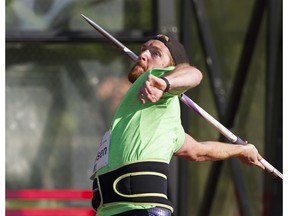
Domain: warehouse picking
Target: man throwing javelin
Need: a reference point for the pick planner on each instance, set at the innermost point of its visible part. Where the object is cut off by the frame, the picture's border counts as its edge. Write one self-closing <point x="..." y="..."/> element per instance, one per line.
<point x="131" y="169"/>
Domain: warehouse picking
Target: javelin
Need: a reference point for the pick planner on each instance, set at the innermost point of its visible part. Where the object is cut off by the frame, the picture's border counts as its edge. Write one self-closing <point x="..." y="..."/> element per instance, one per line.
<point x="189" y="102"/>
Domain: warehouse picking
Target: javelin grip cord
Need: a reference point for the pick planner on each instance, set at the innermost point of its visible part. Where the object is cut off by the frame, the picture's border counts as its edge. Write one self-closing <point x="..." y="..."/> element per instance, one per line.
<point x="185" y="99"/>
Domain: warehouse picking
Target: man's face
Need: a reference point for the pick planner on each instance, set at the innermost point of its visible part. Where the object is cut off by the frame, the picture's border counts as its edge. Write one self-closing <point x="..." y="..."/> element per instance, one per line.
<point x="154" y="54"/>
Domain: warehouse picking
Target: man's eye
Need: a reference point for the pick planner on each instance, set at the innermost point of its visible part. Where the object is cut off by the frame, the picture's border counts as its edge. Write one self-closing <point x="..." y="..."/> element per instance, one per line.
<point x="156" y="53"/>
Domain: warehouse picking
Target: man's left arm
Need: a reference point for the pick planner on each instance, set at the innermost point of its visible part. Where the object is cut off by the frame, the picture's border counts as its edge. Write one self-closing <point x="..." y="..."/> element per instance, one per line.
<point x="182" y="78"/>
<point x="179" y="80"/>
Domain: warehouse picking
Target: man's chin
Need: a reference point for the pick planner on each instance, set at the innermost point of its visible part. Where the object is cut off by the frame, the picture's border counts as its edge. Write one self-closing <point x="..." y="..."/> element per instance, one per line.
<point x="132" y="77"/>
<point x="136" y="72"/>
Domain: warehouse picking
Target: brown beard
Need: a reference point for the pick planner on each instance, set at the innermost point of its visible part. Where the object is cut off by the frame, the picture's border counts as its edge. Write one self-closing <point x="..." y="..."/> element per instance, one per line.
<point x="136" y="71"/>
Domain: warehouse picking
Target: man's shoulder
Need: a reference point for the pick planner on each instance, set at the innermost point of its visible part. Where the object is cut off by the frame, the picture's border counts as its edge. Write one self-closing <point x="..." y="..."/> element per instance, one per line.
<point x="161" y="71"/>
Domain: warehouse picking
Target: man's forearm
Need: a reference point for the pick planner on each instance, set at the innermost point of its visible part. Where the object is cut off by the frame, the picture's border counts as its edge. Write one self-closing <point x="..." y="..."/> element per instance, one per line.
<point x="182" y="78"/>
<point x="213" y="150"/>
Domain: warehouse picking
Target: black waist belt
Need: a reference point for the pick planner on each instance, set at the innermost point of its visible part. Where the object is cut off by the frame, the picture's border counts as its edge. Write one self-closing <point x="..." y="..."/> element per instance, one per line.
<point x="141" y="182"/>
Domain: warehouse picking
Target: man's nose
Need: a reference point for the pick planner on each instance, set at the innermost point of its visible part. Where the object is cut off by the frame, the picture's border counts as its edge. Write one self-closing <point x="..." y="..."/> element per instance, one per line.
<point x="144" y="55"/>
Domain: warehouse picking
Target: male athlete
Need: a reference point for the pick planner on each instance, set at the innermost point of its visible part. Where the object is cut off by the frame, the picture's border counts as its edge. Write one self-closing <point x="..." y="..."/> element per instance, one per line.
<point x="131" y="169"/>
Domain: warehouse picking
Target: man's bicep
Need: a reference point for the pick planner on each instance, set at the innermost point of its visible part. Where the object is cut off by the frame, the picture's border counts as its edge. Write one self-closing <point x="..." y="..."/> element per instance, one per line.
<point x="189" y="149"/>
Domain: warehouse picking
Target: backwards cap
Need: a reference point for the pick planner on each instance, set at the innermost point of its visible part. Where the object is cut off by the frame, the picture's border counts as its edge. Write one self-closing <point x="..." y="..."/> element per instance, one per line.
<point x="176" y="49"/>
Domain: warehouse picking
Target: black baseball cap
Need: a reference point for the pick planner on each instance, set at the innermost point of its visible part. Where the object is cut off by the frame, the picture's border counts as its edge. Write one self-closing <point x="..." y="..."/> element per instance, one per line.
<point x="176" y="49"/>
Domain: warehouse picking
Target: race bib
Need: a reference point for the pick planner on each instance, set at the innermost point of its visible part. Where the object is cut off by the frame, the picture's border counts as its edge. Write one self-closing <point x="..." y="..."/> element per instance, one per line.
<point x="101" y="159"/>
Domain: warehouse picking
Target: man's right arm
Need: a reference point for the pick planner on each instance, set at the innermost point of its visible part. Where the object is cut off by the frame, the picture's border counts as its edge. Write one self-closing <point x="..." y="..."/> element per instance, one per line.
<point x="214" y="150"/>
